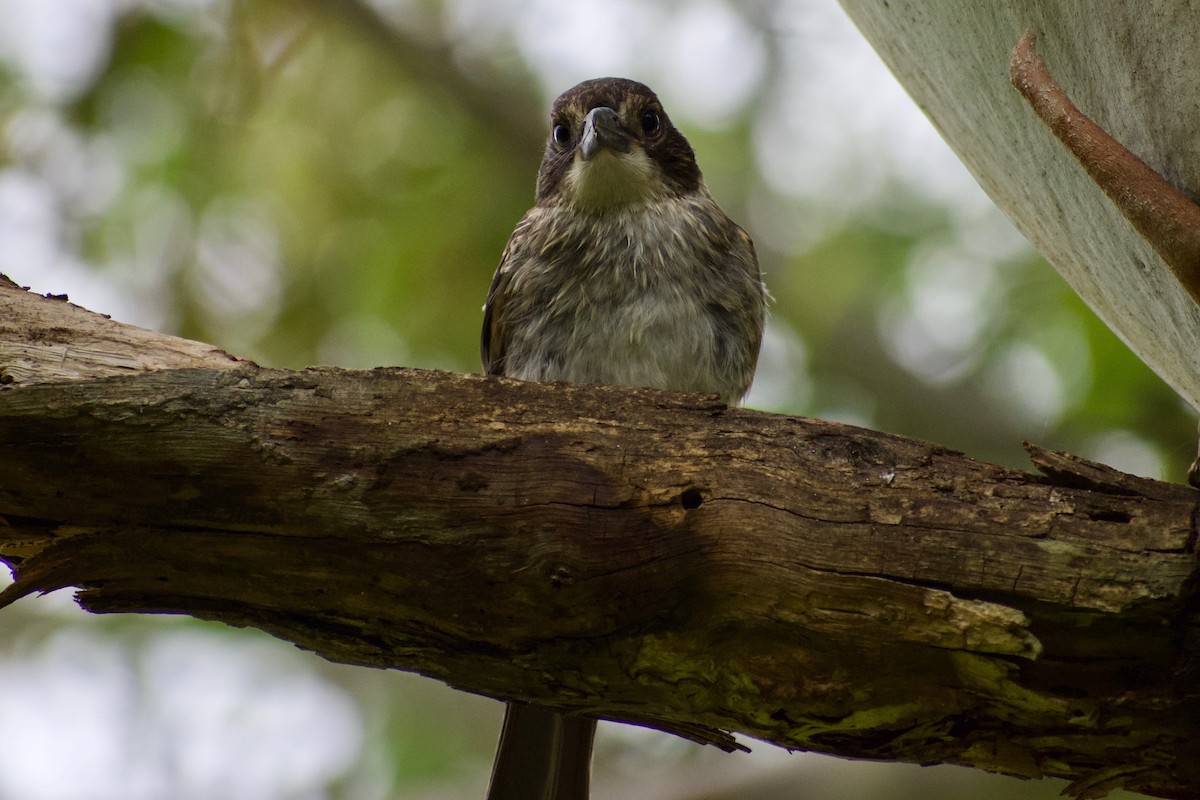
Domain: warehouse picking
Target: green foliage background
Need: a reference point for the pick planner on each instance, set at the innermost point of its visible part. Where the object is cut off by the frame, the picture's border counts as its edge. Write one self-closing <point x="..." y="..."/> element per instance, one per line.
<point x="325" y="181"/>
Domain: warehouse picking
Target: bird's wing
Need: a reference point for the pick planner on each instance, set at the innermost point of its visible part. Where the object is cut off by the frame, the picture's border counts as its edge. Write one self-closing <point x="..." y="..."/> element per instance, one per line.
<point x="494" y="338"/>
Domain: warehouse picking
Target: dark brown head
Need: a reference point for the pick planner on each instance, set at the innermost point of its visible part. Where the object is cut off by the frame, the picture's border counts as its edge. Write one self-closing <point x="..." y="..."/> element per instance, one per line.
<point x="612" y="145"/>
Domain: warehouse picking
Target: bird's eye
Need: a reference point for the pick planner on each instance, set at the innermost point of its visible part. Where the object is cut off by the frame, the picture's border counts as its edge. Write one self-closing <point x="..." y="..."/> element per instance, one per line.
<point x="650" y="123"/>
<point x="561" y="134"/>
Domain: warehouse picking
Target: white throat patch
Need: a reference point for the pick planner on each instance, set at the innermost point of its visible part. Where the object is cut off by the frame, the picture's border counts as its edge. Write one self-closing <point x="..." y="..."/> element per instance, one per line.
<point x="612" y="180"/>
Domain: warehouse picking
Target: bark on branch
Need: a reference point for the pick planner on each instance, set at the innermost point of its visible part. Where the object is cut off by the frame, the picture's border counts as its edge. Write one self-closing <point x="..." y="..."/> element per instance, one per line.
<point x="635" y="555"/>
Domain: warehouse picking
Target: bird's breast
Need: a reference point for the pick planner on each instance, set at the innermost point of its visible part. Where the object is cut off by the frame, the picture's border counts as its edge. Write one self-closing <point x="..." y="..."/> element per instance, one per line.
<point x="621" y="299"/>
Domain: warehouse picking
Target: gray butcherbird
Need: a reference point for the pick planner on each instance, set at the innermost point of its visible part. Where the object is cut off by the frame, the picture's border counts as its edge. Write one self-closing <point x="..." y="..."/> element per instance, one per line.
<point x="626" y="272"/>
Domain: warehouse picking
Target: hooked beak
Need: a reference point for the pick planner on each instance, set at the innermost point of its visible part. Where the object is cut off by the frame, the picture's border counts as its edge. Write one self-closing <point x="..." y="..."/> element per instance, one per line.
<point x="602" y="130"/>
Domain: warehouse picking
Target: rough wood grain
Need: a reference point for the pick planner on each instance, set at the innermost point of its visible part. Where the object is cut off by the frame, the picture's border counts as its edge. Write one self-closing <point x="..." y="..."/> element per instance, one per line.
<point x="48" y="339"/>
<point x="1128" y="64"/>
<point x="637" y="555"/>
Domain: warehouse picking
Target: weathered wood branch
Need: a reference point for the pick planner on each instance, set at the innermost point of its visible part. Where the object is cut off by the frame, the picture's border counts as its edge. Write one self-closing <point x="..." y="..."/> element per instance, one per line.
<point x="636" y="555"/>
<point x="50" y="340"/>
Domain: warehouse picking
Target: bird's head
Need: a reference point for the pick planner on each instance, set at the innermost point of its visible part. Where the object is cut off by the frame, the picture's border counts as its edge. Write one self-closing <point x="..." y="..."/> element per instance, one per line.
<point x="612" y="146"/>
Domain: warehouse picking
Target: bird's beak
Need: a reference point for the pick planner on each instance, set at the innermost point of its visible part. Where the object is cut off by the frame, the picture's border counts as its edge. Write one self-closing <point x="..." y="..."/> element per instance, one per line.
<point x="602" y="129"/>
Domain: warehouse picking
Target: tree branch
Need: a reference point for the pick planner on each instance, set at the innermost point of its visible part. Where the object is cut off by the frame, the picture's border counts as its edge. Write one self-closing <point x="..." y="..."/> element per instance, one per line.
<point x="636" y="555"/>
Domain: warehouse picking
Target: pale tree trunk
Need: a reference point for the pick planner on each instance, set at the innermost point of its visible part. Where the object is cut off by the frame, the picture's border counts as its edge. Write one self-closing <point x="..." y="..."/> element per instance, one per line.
<point x="1132" y="66"/>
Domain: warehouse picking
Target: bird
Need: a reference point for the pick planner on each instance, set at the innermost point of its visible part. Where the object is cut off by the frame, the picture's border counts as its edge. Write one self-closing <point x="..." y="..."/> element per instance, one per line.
<point x="624" y="272"/>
